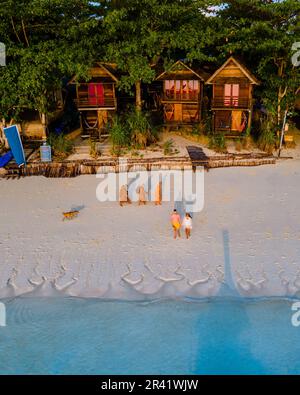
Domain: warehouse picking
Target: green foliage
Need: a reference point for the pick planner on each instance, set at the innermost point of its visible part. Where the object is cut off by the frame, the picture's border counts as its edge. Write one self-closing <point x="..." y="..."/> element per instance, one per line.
<point x="47" y="41"/>
<point x="60" y="145"/>
<point x="132" y="130"/>
<point x="263" y="33"/>
<point x="168" y="147"/>
<point x="140" y="129"/>
<point x="217" y="143"/>
<point x="267" y="138"/>
<point x="94" y="150"/>
<point x="142" y="33"/>
<point x="119" y="136"/>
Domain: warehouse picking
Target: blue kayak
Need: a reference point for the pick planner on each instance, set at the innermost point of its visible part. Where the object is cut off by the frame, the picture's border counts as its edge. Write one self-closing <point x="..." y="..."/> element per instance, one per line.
<point x="4" y="159"/>
<point x="14" y="140"/>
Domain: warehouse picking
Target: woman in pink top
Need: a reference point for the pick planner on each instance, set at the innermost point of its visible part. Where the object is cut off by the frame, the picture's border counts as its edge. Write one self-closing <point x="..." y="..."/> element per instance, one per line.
<point x="176" y="223"/>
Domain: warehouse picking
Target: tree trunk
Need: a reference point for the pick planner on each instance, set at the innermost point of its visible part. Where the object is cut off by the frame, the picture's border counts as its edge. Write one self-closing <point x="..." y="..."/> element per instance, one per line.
<point x="138" y="95"/>
<point x="281" y="92"/>
<point x="44" y="124"/>
<point x="2" y="136"/>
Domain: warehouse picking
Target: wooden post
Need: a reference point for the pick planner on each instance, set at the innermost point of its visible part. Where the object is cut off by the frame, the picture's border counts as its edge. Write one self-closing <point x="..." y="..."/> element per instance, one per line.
<point x="200" y="98"/>
<point x="81" y="122"/>
<point x="44" y="124"/>
<point x="250" y="107"/>
<point x="2" y="130"/>
<point x="249" y="120"/>
<point x="282" y="132"/>
<point x="100" y="122"/>
<point x="115" y="97"/>
<point x="138" y="93"/>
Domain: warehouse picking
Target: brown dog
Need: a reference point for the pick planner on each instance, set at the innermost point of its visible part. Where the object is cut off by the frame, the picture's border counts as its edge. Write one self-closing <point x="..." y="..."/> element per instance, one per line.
<point x="70" y="215"/>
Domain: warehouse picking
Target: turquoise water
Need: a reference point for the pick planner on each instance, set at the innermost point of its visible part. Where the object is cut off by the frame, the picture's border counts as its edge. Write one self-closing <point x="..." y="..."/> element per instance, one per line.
<point x="85" y="336"/>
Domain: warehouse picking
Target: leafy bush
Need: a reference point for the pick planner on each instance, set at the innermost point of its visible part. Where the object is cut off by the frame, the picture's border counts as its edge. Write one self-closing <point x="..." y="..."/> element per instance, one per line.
<point x="119" y="136"/>
<point x="217" y="143"/>
<point x="247" y="141"/>
<point x="197" y="134"/>
<point x="206" y="124"/>
<point x="94" y="149"/>
<point x="140" y="129"/>
<point x="168" y="147"/>
<point x="60" y="145"/>
<point x="267" y="138"/>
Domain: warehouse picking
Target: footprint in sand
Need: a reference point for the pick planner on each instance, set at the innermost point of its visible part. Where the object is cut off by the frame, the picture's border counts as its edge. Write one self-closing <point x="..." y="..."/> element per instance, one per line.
<point x="268" y="235"/>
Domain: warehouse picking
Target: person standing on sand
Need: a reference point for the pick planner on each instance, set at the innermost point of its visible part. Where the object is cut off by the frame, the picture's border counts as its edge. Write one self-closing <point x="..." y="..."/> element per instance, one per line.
<point x="142" y="195"/>
<point x="188" y="225"/>
<point x="124" y="198"/>
<point x="158" y="194"/>
<point x="176" y="223"/>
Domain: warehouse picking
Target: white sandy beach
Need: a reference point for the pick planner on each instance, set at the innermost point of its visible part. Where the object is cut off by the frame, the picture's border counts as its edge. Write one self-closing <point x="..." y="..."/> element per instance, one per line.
<point x="248" y="235"/>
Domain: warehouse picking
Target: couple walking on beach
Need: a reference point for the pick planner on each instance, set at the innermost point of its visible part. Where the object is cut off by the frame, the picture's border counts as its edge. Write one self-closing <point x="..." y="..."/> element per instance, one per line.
<point x="186" y="223"/>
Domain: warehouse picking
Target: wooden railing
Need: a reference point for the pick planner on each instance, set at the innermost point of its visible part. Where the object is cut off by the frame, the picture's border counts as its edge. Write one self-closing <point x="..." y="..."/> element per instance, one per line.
<point x="181" y="97"/>
<point x="96" y="95"/>
<point x="96" y="102"/>
<point x="230" y="102"/>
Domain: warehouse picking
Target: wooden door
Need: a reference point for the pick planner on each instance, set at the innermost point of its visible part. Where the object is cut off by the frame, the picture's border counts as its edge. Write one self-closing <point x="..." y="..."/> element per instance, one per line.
<point x="178" y="113"/>
<point x="236" y="120"/>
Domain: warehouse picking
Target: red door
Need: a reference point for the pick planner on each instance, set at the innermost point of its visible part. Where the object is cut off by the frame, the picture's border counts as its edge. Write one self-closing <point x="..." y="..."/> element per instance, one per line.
<point x="96" y="94"/>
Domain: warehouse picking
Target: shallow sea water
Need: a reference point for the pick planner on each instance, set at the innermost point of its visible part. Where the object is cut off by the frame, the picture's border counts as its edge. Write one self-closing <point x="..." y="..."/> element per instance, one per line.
<point x="91" y="336"/>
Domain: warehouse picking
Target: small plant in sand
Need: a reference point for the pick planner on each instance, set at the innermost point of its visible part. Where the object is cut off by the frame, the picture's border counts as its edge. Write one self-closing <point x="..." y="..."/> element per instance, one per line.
<point x="60" y="145"/>
<point x="238" y="145"/>
<point x="196" y="130"/>
<point x="267" y="139"/>
<point x="217" y="143"/>
<point x="94" y="149"/>
<point x="197" y="133"/>
<point x="203" y="140"/>
<point x="168" y="147"/>
<point x="204" y="127"/>
<point x="135" y="153"/>
<point x="247" y="141"/>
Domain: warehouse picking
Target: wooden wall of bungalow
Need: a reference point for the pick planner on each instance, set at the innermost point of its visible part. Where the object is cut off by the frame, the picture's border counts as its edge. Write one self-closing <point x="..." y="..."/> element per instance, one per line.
<point x="181" y="95"/>
<point x="232" y="100"/>
<point x="96" y="99"/>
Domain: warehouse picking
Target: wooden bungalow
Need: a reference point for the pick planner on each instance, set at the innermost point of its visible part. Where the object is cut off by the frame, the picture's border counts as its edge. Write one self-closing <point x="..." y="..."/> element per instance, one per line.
<point x="33" y="125"/>
<point x="182" y="94"/>
<point x="232" y="97"/>
<point x="96" y="100"/>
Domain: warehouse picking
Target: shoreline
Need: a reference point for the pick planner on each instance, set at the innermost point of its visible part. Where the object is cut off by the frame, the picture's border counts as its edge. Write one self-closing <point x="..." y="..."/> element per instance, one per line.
<point x="128" y="253"/>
